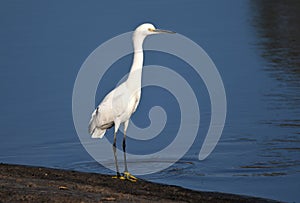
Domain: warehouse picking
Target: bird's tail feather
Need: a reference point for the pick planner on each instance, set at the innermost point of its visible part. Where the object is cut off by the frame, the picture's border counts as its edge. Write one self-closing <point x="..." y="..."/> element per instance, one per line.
<point x="94" y="130"/>
<point x="98" y="133"/>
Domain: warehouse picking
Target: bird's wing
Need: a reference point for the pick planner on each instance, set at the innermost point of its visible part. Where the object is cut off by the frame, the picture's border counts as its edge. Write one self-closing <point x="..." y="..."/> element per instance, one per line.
<point x="102" y="117"/>
<point x="97" y="125"/>
<point x="112" y="106"/>
<point x="115" y="103"/>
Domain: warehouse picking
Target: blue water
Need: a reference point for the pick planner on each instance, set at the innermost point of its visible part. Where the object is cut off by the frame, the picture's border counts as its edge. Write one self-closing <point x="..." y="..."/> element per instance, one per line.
<point x="254" y="44"/>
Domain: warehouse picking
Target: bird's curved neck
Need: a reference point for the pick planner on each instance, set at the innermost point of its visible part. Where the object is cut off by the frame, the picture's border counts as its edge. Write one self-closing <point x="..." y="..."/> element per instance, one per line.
<point x="135" y="75"/>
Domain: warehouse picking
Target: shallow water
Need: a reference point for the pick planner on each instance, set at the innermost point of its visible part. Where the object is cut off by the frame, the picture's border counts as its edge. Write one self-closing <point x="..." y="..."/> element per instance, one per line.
<point x="254" y="44"/>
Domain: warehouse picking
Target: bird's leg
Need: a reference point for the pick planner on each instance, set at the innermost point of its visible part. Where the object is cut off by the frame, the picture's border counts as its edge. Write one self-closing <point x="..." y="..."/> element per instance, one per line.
<point x="124" y="145"/>
<point x="127" y="175"/>
<point x="115" y="155"/>
<point x="124" y="152"/>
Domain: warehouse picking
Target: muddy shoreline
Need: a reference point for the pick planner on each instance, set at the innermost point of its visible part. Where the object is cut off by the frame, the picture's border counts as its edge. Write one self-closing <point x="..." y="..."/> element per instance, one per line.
<point x="37" y="184"/>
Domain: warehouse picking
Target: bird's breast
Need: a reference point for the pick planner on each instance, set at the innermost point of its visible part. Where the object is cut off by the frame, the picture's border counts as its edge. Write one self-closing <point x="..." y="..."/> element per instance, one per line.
<point x="134" y="101"/>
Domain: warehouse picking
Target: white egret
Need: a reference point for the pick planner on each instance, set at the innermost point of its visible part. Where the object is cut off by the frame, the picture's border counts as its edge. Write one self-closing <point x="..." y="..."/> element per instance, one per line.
<point x="118" y="105"/>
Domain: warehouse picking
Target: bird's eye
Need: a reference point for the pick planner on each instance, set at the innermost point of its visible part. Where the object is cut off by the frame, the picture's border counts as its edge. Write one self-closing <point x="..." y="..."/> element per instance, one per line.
<point x="150" y="29"/>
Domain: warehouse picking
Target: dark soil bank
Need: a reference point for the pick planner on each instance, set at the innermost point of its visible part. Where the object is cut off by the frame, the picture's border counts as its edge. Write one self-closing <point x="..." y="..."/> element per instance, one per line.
<point x="36" y="184"/>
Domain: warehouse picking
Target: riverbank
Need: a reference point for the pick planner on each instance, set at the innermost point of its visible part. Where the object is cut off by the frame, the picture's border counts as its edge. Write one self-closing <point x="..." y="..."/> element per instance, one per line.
<point x="37" y="184"/>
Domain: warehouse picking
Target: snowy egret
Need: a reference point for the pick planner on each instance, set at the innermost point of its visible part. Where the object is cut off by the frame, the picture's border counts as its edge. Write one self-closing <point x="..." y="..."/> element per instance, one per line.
<point x="118" y="105"/>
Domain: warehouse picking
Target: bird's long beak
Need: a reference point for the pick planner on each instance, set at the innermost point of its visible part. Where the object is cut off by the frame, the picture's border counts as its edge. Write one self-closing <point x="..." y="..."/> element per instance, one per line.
<point x="163" y="31"/>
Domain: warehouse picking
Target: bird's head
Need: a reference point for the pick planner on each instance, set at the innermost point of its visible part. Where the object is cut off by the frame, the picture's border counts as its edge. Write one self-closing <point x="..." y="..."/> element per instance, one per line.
<point x="149" y="29"/>
<point x="142" y="31"/>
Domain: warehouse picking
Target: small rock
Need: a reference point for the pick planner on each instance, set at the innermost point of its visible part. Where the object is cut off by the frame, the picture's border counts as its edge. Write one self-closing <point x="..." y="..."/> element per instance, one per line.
<point x="63" y="188"/>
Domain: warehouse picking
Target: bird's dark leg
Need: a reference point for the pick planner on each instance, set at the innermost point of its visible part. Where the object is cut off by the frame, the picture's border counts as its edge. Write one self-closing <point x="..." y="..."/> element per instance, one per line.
<point x="115" y="154"/>
<point x="127" y="175"/>
<point x="124" y="152"/>
<point x="124" y="145"/>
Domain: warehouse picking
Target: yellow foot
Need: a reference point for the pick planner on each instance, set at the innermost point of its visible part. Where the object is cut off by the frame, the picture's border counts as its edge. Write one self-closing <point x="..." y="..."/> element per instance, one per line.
<point x="118" y="176"/>
<point x="129" y="177"/>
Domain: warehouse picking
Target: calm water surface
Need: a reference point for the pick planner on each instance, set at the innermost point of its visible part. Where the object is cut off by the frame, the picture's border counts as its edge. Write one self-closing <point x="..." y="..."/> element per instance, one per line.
<point x="254" y="44"/>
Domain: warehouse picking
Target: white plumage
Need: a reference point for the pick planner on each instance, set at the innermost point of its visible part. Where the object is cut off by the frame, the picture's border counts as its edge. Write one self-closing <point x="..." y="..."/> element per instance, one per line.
<point x="118" y="105"/>
<point x="116" y="108"/>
